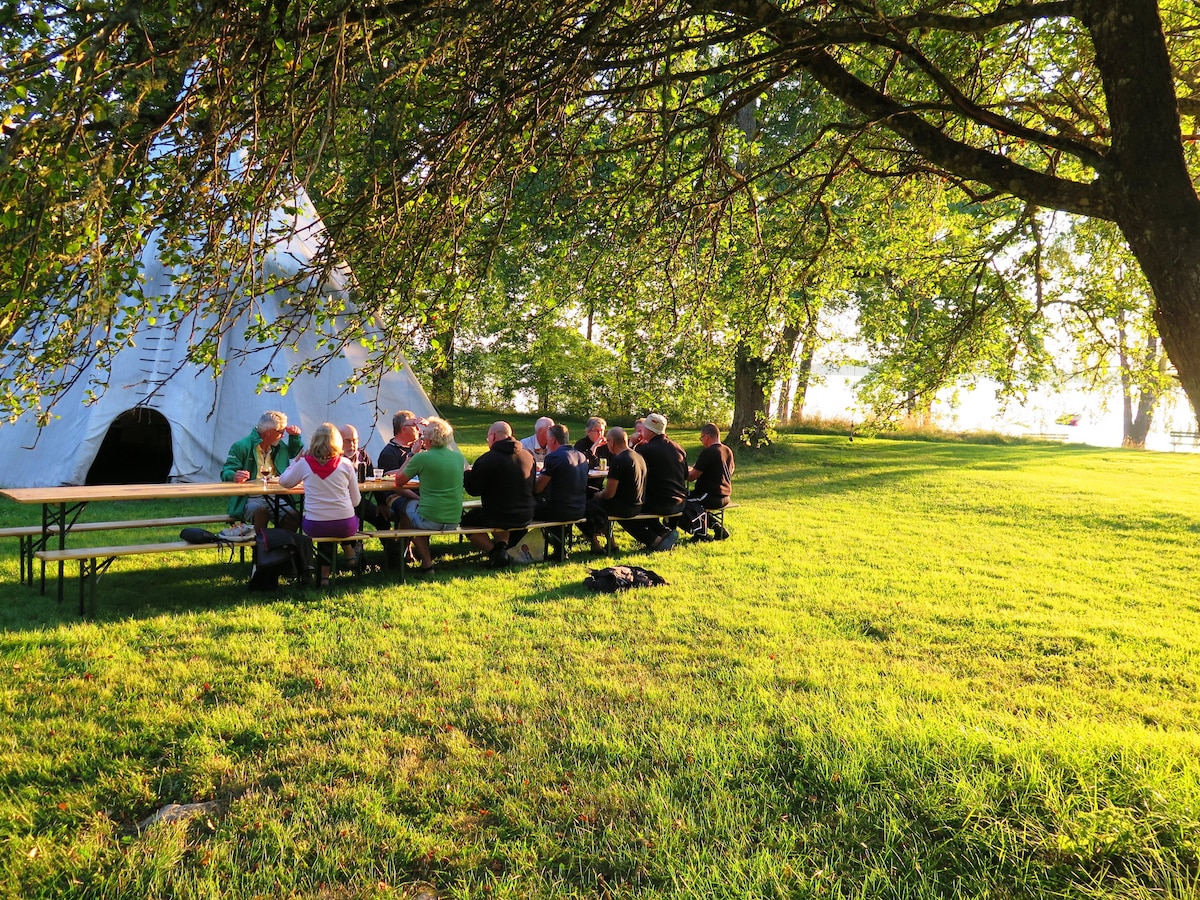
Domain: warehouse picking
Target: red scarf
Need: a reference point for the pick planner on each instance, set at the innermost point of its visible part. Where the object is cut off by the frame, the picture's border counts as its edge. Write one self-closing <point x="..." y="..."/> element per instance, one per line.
<point x="322" y="469"/>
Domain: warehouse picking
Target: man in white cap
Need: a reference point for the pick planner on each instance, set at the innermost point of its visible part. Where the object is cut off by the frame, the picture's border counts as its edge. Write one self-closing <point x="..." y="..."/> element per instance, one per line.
<point x="666" y="483"/>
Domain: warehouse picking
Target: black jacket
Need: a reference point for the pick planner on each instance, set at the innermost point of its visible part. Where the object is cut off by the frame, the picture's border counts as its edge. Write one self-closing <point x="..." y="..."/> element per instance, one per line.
<point x="503" y="479"/>
<point x="666" y="475"/>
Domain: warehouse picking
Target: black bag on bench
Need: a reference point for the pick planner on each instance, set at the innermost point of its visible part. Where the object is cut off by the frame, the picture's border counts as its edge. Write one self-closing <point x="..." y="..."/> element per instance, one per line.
<point x="694" y="518"/>
<point x="280" y="553"/>
<point x="200" y="536"/>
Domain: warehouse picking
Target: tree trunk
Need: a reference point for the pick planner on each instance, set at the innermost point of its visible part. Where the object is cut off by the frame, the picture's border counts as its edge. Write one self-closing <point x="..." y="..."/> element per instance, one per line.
<point x="1175" y="280"/>
<point x="786" y="392"/>
<point x="795" y="382"/>
<point x="803" y="377"/>
<point x="751" y="377"/>
<point x="1148" y="182"/>
<point x="1136" y="425"/>
<point x="441" y="374"/>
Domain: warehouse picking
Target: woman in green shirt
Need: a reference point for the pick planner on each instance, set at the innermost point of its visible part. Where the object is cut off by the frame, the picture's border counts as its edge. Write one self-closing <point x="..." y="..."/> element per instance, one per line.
<point x="440" y="469"/>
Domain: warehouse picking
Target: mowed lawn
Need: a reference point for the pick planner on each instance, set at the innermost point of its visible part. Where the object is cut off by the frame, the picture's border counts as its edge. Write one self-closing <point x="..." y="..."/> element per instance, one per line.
<point x="915" y="670"/>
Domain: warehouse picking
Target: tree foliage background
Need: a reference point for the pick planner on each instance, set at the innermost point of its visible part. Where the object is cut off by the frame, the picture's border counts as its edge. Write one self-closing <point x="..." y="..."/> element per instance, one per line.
<point x="688" y="185"/>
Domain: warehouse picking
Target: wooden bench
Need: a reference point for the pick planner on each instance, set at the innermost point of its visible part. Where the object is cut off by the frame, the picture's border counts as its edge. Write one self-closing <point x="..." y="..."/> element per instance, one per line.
<point x="30" y="536"/>
<point x="94" y="561"/>
<point x="1185" y="439"/>
<point x="715" y="517"/>
<point x="1059" y="436"/>
<point x="407" y="534"/>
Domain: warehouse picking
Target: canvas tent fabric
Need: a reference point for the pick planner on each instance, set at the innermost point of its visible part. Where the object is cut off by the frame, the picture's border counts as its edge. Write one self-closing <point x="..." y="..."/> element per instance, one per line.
<point x="207" y="414"/>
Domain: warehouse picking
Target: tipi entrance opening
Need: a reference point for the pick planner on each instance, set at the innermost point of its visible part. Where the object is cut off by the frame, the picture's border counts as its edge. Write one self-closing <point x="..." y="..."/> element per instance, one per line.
<point x="136" y="450"/>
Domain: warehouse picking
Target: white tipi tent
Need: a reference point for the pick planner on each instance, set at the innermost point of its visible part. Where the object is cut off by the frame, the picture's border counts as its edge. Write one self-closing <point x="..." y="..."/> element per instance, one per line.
<point x="182" y="430"/>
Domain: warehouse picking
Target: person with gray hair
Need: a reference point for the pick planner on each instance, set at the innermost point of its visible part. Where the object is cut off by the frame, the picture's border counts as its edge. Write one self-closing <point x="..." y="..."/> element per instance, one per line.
<point x="368" y="510"/>
<point x="263" y="453"/>
<point x="561" y="487"/>
<point x="440" y="468"/>
<point x="538" y="442"/>
<point x="594" y="444"/>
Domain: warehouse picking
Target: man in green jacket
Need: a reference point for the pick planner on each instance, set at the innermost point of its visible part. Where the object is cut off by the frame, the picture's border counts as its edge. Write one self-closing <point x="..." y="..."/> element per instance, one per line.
<point x="262" y="452"/>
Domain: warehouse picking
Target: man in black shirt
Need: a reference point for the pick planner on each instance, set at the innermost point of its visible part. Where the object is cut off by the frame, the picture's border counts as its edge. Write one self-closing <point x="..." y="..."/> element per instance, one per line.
<point x="624" y="491"/>
<point x="713" y="471"/>
<point x="405" y="431"/>
<point x="713" y="474"/>
<point x="666" y="484"/>
<point x="376" y="514"/>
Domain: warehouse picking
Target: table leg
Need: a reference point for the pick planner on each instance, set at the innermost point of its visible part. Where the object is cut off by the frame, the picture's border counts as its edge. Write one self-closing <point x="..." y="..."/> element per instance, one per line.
<point x="63" y="516"/>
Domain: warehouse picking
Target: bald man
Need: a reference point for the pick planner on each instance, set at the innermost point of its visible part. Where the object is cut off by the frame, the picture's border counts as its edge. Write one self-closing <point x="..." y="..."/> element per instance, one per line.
<point x="503" y="479"/>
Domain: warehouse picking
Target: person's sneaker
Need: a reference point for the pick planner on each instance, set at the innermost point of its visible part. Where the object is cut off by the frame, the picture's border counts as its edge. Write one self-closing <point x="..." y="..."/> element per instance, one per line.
<point x="702" y="538"/>
<point x="243" y="532"/>
<point x="720" y="533"/>
<point x="668" y="541"/>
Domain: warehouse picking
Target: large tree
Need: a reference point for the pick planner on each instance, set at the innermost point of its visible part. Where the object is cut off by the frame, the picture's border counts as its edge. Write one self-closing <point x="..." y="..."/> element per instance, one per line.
<point x="411" y="120"/>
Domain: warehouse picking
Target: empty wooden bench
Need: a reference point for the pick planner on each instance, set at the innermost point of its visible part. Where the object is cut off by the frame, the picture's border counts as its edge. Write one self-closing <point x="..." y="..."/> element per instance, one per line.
<point x="94" y="561"/>
<point x="1185" y="439"/>
<point x="30" y="537"/>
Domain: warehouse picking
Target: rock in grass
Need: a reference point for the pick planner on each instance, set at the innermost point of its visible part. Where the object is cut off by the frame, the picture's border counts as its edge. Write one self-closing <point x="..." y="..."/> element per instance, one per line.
<point x="178" y="812"/>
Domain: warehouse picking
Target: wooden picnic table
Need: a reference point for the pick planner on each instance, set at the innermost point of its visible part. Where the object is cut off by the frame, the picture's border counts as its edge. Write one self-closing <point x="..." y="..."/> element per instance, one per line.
<point x="62" y="506"/>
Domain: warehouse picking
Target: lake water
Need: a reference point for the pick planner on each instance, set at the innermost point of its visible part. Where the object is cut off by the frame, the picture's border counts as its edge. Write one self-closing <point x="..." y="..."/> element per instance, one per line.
<point x="1098" y="416"/>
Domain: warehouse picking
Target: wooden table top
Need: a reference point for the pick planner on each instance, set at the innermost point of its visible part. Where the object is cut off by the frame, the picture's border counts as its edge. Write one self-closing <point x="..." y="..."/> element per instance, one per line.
<point x="86" y="493"/>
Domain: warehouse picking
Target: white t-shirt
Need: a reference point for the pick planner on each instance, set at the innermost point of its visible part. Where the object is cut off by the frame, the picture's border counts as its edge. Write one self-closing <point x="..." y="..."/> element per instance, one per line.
<point x="325" y="499"/>
<point x="531" y="444"/>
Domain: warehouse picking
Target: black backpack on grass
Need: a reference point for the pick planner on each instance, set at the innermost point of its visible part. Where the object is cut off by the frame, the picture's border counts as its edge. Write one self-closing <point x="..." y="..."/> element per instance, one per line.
<point x="279" y="553"/>
<point x="620" y="578"/>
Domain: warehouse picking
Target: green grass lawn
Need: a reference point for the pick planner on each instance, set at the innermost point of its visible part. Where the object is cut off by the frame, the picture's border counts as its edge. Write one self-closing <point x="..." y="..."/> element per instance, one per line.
<point x="916" y="670"/>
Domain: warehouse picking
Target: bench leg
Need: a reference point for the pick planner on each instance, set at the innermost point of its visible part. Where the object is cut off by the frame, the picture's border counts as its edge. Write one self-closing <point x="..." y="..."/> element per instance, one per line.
<point x="405" y="543"/>
<point x="87" y="585"/>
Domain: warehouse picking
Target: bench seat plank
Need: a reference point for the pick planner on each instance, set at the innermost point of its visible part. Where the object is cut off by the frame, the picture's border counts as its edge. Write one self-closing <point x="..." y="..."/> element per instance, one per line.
<point x="27" y="530"/>
<point x="407" y="534"/>
<point x="29" y="536"/>
<point x="71" y="553"/>
<point x="90" y="567"/>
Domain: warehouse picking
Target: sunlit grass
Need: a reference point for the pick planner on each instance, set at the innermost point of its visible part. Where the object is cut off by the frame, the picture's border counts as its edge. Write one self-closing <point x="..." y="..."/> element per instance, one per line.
<point x="916" y="670"/>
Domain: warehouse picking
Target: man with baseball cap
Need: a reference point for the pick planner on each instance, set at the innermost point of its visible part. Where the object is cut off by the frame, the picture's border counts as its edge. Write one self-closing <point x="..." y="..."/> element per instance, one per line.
<point x="666" y="484"/>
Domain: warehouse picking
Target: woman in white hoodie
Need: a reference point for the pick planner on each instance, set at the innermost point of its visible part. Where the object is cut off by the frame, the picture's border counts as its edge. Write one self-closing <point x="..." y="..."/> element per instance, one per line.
<point x="330" y="490"/>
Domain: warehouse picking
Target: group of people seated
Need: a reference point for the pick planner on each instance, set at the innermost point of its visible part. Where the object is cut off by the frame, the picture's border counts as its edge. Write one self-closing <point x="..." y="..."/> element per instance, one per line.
<point x="542" y="477"/>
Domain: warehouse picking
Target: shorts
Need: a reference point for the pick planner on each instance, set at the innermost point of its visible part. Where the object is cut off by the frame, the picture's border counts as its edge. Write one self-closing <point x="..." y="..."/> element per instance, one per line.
<point x="331" y="528"/>
<point x="256" y="503"/>
<point x="410" y="510"/>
